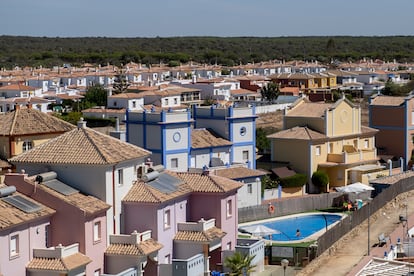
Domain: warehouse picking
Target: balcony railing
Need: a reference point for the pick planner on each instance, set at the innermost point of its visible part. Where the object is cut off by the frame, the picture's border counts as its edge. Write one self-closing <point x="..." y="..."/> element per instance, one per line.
<point x="352" y="157"/>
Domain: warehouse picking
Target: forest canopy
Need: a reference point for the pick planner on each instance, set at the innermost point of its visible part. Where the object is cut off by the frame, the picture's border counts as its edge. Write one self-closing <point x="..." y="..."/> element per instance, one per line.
<point x="226" y="51"/>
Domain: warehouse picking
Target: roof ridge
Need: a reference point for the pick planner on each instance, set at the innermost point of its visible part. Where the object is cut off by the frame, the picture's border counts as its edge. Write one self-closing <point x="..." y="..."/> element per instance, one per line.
<point x="14" y="121"/>
<point x="84" y="130"/>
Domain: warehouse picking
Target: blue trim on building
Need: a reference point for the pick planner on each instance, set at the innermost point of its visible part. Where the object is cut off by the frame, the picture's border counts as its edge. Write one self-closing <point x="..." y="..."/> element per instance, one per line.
<point x="127" y="125"/>
<point x="163" y="144"/>
<point x="388" y="127"/>
<point x="144" y="129"/>
<point x="254" y="144"/>
<point x="227" y="118"/>
<point x="406" y="134"/>
<point x="241" y="144"/>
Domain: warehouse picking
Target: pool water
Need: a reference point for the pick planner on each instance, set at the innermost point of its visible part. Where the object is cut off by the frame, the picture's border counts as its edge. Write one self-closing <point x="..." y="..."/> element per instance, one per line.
<point x="307" y="225"/>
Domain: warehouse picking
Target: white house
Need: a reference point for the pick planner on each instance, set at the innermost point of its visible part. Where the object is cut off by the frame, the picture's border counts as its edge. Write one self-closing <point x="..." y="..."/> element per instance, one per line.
<point x="92" y="162"/>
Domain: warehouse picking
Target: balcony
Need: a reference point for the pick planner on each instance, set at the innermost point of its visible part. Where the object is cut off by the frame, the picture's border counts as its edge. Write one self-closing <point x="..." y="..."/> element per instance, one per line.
<point x="352" y="157"/>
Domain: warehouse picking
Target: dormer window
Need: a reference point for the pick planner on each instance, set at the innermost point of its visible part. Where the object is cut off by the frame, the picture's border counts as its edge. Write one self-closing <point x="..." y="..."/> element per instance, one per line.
<point x="27" y="145"/>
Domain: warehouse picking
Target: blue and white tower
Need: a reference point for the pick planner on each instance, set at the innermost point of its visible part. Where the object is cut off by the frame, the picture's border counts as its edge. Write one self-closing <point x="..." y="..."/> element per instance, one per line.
<point x="238" y="125"/>
<point x="166" y="134"/>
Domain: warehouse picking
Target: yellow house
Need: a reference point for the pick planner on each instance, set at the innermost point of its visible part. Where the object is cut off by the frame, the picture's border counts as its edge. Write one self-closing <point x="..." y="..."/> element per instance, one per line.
<point x="25" y="128"/>
<point x="328" y="137"/>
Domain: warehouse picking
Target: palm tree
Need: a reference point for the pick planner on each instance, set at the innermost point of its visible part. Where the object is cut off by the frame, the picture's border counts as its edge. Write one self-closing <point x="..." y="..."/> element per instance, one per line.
<point x="239" y="264"/>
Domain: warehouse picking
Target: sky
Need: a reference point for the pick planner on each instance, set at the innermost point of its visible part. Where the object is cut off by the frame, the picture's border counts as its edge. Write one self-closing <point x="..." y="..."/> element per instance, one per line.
<point x="169" y="18"/>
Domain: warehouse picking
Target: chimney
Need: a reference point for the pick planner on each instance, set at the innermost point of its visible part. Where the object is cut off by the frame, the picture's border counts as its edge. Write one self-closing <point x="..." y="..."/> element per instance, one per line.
<point x="149" y="163"/>
<point x="81" y="123"/>
<point x="206" y="170"/>
<point x="29" y="105"/>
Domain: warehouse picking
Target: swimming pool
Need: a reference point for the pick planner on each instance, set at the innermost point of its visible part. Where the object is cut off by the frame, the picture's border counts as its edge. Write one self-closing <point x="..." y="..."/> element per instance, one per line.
<point x="308" y="224"/>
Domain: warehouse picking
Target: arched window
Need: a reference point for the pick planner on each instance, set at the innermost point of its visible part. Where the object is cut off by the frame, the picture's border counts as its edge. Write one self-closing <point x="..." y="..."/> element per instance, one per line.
<point x="27" y="145"/>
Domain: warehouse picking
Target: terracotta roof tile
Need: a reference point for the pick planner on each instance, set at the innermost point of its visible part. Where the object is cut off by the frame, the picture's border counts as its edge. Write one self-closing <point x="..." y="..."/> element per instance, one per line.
<point x="298" y="133"/>
<point x="238" y="172"/>
<point x="11" y="216"/>
<point x="142" y="192"/>
<point x="25" y="121"/>
<point x="65" y="264"/>
<point x="198" y="236"/>
<point x="388" y="101"/>
<point x="17" y="87"/>
<point x="205" y="138"/>
<point x="141" y="249"/>
<point x="88" y="204"/>
<point x="82" y="146"/>
<point x="209" y="183"/>
<point x="309" y="109"/>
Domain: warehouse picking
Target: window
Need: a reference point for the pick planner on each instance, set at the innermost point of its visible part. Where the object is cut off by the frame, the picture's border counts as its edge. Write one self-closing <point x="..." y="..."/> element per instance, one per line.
<point x="47" y="233"/>
<point x="166" y="101"/>
<point x="174" y="163"/>
<point x="120" y="176"/>
<point x="228" y="246"/>
<point x="167" y="219"/>
<point x="366" y="143"/>
<point x="27" y="145"/>
<point x="318" y="150"/>
<point x="14" y="245"/>
<point x="115" y="103"/>
<point x="249" y="188"/>
<point x="97" y="231"/>
<point x="229" y="208"/>
<point x="330" y="147"/>
<point x="245" y="155"/>
<point x="175" y="100"/>
<point x="97" y="272"/>
<point x="134" y="104"/>
<point x="243" y="131"/>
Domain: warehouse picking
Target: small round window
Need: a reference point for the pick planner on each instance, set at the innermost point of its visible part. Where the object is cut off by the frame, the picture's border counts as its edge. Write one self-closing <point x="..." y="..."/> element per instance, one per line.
<point x="242" y="131"/>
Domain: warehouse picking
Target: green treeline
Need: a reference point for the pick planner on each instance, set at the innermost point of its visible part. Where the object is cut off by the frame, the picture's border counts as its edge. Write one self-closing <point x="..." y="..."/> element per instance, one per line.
<point x="227" y="51"/>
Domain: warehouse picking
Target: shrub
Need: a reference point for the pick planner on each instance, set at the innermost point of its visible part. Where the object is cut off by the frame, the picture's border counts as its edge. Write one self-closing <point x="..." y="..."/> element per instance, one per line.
<point x="297" y="180"/>
<point x="320" y="178"/>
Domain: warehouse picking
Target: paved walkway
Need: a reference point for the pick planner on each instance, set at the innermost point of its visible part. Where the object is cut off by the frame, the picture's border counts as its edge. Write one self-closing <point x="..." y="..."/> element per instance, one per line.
<point x="349" y="255"/>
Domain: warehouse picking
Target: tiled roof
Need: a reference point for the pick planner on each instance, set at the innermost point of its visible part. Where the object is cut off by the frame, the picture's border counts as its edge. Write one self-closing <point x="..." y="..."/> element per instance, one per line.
<point x="209" y="183"/>
<point x="298" y="133"/>
<point x="198" y="236"/>
<point x="144" y="193"/>
<point x="127" y="96"/>
<point x="82" y="145"/>
<point x="88" y="204"/>
<point x="65" y="264"/>
<point x="17" y="87"/>
<point x="25" y="121"/>
<point x="205" y="138"/>
<point x="238" y="172"/>
<point x="11" y="216"/>
<point x="141" y="192"/>
<point x="4" y="164"/>
<point x="310" y="109"/>
<point x="141" y="249"/>
<point x="388" y="101"/>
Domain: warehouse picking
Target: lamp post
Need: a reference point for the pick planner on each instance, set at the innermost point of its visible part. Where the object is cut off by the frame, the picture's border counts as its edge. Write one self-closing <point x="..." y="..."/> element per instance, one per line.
<point x="284" y="263"/>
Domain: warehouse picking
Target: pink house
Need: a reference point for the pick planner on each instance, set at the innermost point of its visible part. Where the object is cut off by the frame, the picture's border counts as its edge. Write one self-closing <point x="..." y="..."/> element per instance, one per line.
<point x="163" y="199"/>
<point x="23" y="227"/>
<point x="78" y="219"/>
<point x="57" y="261"/>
